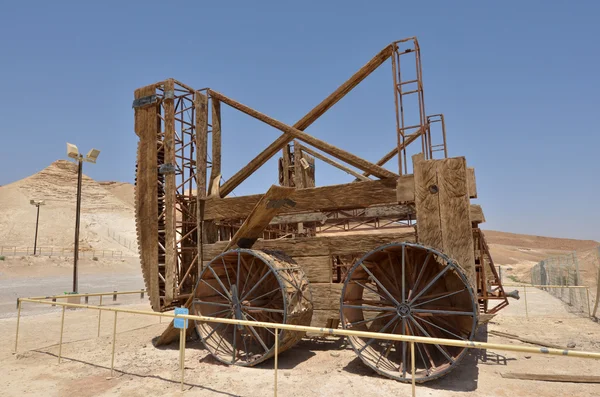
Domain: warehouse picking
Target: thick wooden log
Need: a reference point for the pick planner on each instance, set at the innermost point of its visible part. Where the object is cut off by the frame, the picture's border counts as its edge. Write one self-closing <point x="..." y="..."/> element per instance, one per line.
<point x="271" y="203"/>
<point x="146" y="192"/>
<point x="215" y="170"/>
<point x="346" y="196"/>
<point x="333" y="163"/>
<point x="318" y="246"/>
<point x="307" y="120"/>
<point x="170" y="194"/>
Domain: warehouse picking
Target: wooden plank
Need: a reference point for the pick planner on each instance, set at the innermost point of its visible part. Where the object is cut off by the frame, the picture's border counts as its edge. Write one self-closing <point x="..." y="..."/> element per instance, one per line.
<point x="299" y="180"/>
<point x="346" y="196"/>
<point x="525" y="340"/>
<point x="317" y="246"/>
<point x="429" y="230"/>
<point x="378" y="211"/>
<point x="405" y="189"/>
<point x="457" y="232"/>
<point x="147" y="193"/>
<point x="302" y="217"/>
<point x="332" y="150"/>
<point x="215" y="170"/>
<point x="320" y="318"/>
<point x="170" y="194"/>
<point x="552" y="377"/>
<point x="326" y="296"/>
<point x="471" y="183"/>
<point x="307" y="120"/>
<point x="334" y="163"/>
<point x="317" y="268"/>
<point x="276" y="198"/>
<point x="476" y="214"/>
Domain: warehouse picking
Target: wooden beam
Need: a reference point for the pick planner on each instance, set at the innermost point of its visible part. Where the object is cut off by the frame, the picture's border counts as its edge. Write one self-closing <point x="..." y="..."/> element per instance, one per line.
<point x="305" y="217"/>
<point x="170" y="194"/>
<point x="476" y="214"/>
<point x="318" y="246"/>
<point x="271" y="203"/>
<point x="471" y="183"/>
<point x="215" y="170"/>
<point x="146" y="192"/>
<point x="307" y="120"/>
<point x="296" y="133"/>
<point x="552" y="377"/>
<point x="427" y="202"/>
<point x="318" y="269"/>
<point x="346" y="196"/>
<point x="405" y="189"/>
<point x="333" y="163"/>
<point x="379" y="211"/>
<point x="395" y="150"/>
<point x="201" y="129"/>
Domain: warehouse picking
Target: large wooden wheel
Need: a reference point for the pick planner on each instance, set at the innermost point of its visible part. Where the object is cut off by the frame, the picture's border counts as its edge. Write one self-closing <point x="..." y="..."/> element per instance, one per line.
<point x="408" y="289"/>
<point x="251" y="285"/>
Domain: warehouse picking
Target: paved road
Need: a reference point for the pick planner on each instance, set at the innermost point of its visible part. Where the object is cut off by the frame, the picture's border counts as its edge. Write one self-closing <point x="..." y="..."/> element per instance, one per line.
<point x="14" y="287"/>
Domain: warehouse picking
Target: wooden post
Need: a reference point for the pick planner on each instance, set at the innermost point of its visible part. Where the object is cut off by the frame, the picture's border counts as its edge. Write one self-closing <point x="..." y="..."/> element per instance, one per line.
<point x="215" y="170"/>
<point x="18" y="321"/>
<point x="99" y="316"/>
<point x="112" y="361"/>
<point x="170" y="192"/>
<point x="526" y="309"/>
<point x="201" y="110"/>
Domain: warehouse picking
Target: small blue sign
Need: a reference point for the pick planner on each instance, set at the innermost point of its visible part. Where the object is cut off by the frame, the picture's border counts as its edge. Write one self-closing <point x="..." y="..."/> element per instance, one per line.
<point x="180" y="323"/>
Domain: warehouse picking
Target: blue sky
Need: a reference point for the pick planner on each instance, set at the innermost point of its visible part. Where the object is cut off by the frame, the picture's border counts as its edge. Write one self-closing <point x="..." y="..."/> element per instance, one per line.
<point x="518" y="83"/>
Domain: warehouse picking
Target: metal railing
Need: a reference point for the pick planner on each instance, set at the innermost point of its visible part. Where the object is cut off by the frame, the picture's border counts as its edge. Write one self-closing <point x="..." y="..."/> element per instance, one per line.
<point x="59" y="252"/>
<point x="299" y="328"/>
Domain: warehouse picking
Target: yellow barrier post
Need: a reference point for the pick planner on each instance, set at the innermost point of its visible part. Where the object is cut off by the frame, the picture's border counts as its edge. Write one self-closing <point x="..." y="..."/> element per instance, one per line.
<point x="412" y="367"/>
<point x="182" y="354"/>
<point x="112" y="362"/>
<point x="276" y="356"/>
<point x="99" y="316"/>
<point x="18" y="320"/>
<point x="62" y="326"/>
<point x="525" y="294"/>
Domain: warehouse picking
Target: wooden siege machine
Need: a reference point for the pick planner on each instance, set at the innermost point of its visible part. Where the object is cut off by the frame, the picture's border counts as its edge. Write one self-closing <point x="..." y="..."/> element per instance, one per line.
<point x="273" y="256"/>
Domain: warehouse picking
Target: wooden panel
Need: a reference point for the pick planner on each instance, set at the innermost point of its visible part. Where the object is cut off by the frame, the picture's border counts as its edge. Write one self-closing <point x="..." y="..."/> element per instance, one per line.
<point x="170" y="192"/>
<point x="405" y="189"/>
<point x="316" y="268"/>
<point x="318" y="246"/>
<point x="326" y="296"/>
<point x="146" y="127"/>
<point x="346" y="196"/>
<point x="276" y="198"/>
<point x="471" y="183"/>
<point x="320" y="317"/>
<point x="476" y="214"/>
<point x="427" y="202"/>
<point x="457" y="233"/>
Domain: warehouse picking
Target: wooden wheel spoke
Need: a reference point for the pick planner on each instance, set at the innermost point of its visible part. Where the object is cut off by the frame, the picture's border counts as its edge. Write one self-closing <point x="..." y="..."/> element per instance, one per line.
<point x="418" y="346"/>
<point x="403" y="348"/>
<point x="237" y="275"/>
<point x="234" y="343"/>
<point x="263" y="295"/>
<point x="440" y="297"/>
<point x="248" y="274"/>
<point x="200" y="302"/>
<point x="254" y="319"/>
<point x="219" y="281"/>
<point x="403" y="273"/>
<point x="421" y="272"/>
<point x="243" y="298"/>
<point x="265" y="309"/>
<point x="226" y="272"/>
<point x="370" y="308"/>
<point x="371" y="319"/>
<point x="256" y="336"/>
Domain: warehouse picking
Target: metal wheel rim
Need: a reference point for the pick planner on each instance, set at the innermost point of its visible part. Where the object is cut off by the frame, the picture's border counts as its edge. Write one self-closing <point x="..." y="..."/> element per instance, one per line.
<point x="449" y="264"/>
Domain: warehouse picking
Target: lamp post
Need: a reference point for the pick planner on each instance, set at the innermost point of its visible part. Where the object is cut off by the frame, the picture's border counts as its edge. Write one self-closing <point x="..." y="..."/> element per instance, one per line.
<point x="91" y="157"/>
<point x="37" y="203"/>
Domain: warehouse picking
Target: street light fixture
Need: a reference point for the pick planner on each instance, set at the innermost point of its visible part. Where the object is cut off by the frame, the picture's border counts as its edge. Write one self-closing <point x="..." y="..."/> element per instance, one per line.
<point x="91" y="157"/>
<point x="37" y="203"/>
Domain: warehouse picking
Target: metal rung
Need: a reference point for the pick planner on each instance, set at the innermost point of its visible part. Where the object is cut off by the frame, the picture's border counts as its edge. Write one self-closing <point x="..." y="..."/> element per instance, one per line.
<point x="408" y="82"/>
<point x="409" y="92"/>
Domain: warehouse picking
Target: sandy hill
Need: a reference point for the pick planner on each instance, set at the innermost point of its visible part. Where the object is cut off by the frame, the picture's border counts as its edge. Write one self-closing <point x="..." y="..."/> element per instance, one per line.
<point x="104" y="207"/>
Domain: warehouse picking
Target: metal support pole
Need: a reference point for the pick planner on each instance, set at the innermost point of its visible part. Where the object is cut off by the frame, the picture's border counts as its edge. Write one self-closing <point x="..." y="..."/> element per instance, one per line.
<point x="112" y="362"/>
<point x="18" y="321"/>
<point x="412" y="367"/>
<point x="62" y="326"/>
<point x="37" y="219"/>
<point x="77" y="221"/>
<point x="276" y="357"/>
<point x="525" y="295"/>
<point x="99" y="316"/>
<point x="587" y="290"/>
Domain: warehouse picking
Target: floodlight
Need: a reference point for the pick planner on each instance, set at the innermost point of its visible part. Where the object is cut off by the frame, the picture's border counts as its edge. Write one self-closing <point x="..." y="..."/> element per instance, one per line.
<point x="92" y="155"/>
<point x="72" y="151"/>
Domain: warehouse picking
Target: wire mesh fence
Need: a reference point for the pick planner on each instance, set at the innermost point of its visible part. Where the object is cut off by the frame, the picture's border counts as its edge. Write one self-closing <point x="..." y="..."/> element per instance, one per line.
<point x="8" y="251"/>
<point x="566" y="270"/>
